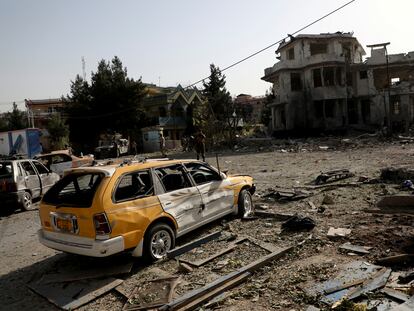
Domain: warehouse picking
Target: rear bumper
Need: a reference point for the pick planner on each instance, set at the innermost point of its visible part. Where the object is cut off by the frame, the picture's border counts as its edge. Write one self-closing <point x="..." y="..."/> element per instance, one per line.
<point x="81" y="245"/>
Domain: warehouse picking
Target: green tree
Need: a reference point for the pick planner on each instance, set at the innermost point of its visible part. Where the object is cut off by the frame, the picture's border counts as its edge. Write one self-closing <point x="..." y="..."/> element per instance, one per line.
<point x="58" y="131"/>
<point x="16" y="119"/>
<point x="111" y="102"/>
<point x="218" y="111"/>
<point x="3" y="124"/>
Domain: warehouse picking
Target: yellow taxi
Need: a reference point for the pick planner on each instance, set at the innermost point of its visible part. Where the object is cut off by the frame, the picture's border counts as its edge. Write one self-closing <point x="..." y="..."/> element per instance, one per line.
<point x="138" y="206"/>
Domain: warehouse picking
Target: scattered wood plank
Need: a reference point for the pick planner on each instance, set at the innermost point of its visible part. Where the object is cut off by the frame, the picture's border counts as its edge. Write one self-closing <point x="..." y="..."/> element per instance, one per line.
<point x="407" y="306"/>
<point x="400" y="200"/>
<point x="75" y="294"/>
<point x="191" y="296"/>
<point x="215" y="292"/>
<point x="92" y="273"/>
<point x="396" y="260"/>
<point x="359" y="249"/>
<point x="193" y="244"/>
<point x="378" y="280"/>
<point x="201" y="262"/>
<point x="396" y="294"/>
<point x="338" y="288"/>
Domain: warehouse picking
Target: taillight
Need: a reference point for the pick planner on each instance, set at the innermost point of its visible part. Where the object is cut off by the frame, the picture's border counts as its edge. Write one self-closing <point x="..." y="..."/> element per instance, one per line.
<point x="102" y="226"/>
<point x="8" y="186"/>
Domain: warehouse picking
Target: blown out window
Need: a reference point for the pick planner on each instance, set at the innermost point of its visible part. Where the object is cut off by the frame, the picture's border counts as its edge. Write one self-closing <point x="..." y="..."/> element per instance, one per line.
<point x="134" y="186"/>
<point x="75" y="190"/>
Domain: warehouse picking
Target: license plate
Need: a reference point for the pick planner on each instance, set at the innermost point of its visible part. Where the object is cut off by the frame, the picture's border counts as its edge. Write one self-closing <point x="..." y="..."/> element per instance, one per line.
<point x="64" y="224"/>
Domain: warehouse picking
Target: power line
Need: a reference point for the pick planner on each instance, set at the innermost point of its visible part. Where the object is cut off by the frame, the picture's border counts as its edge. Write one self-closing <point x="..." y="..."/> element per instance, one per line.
<point x="280" y="41"/>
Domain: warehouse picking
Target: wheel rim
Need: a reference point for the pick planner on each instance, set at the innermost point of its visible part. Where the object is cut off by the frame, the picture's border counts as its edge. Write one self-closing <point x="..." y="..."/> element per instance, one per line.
<point x="160" y="244"/>
<point x="27" y="200"/>
<point x="248" y="205"/>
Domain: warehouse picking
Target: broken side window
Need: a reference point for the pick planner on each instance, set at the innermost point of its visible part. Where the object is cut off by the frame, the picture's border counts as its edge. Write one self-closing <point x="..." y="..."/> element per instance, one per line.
<point x="318" y="109"/>
<point x="339" y="79"/>
<point x="134" y="186"/>
<point x="295" y="81"/>
<point x="201" y="173"/>
<point x="363" y="74"/>
<point x="318" y="48"/>
<point x="173" y="178"/>
<point x="330" y="106"/>
<point x="328" y="76"/>
<point x="317" y="78"/>
<point x="291" y="53"/>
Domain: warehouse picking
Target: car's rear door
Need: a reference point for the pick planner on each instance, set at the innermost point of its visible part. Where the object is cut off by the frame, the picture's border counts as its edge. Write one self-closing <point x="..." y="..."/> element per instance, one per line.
<point x="179" y="197"/>
<point x="216" y="193"/>
<point x="47" y="179"/>
<point x="31" y="178"/>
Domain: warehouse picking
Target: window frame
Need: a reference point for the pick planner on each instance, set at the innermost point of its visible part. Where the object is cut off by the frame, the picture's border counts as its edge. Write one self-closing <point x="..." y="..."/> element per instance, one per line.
<point x="115" y="188"/>
<point x="203" y="165"/>
<point x="161" y="184"/>
<point x="25" y="171"/>
<point x="41" y="165"/>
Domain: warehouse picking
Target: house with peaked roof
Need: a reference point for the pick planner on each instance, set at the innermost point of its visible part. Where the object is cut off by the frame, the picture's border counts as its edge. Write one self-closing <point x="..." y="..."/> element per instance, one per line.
<point x="171" y="108"/>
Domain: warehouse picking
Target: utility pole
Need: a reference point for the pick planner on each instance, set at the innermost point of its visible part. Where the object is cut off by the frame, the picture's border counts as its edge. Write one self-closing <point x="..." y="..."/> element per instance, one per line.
<point x="389" y="114"/>
<point x="83" y="69"/>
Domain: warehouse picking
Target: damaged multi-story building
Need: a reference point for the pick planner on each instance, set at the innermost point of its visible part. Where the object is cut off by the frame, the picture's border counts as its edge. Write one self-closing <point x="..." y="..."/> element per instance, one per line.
<point x="322" y="82"/>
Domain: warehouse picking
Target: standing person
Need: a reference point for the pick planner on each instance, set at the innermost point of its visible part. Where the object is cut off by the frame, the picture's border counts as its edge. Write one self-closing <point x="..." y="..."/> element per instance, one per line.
<point x="134" y="147"/>
<point x="162" y="144"/>
<point x="200" y="145"/>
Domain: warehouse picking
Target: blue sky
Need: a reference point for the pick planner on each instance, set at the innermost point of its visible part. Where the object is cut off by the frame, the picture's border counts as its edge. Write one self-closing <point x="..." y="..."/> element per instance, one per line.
<point x="42" y="42"/>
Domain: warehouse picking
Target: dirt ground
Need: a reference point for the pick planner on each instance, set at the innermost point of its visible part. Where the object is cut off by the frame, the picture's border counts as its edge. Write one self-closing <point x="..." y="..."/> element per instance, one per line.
<point x="279" y="285"/>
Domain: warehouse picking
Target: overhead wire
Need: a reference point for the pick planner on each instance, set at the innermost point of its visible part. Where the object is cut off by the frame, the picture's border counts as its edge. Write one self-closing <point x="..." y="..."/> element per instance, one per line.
<point x="233" y="64"/>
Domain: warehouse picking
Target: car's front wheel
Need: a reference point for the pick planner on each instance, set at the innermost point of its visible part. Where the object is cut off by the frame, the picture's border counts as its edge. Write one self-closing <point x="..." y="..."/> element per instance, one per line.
<point x="159" y="240"/>
<point x="26" y="204"/>
<point x="245" y="203"/>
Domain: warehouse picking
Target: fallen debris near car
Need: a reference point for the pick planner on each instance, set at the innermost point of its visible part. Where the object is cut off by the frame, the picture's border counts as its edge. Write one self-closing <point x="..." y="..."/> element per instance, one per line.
<point x="396" y="260"/>
<point x="152" y="294"/>
<point x="287" y="194"/>
<point x="193" y="244"/>
<point x="397" y="204"/>
<point x="276" y="216"/>
<point x="334" y="233"/>
<point x="72" y="295"/>
<point x="334" y="175"/>
<point x="397" y="174"/>
<point x="298" y="223"/>
<point x="355" y="248"/>
<point x="197" y="297"/>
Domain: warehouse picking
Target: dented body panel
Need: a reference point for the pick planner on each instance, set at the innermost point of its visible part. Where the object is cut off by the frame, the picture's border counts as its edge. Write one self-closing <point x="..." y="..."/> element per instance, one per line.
<point x="129" y="219"/>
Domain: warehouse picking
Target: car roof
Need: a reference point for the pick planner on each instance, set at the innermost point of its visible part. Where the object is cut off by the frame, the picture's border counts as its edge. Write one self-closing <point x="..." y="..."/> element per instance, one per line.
<point x="110" y="169"/>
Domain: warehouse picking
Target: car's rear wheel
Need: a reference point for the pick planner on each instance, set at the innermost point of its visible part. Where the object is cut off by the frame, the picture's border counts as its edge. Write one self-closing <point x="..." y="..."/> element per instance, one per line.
<point x="245" y="203"/>
<point x="159" y="240"/>
<point x="27" y="203"/>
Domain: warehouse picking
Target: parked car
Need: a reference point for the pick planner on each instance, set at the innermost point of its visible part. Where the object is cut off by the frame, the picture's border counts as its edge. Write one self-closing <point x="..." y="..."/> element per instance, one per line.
<point x="142" y="207"/>
<point x="112" y="149"/>
<point x="21" y="181"/>
<point x="59" y="161"/>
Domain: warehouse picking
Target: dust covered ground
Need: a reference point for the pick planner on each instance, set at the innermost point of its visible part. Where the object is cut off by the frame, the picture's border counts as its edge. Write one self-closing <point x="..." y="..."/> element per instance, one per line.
<point x="278" y="286"/>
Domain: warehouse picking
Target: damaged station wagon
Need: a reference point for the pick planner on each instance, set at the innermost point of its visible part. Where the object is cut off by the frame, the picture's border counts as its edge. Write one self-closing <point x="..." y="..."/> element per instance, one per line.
<point x="141" y="207"/>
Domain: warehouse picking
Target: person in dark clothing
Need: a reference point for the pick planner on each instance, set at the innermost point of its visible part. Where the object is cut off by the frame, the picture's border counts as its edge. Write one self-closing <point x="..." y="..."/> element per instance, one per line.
<point x="200" y="145"/>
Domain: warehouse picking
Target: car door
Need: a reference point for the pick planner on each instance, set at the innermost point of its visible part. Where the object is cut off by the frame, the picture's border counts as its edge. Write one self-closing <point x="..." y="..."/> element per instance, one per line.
<point x="60" y="163"/>
<point x="47" y="179"/>
<point x="179" y="197"/>
<point x="216" y="193"/>
<point x="31" y="179"/>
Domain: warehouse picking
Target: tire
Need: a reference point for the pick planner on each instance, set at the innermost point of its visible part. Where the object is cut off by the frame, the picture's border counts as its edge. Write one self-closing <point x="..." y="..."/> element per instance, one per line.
<point x="245" y="204"/>
<point x="26" y="205"/>
<point x="159" y="239"/>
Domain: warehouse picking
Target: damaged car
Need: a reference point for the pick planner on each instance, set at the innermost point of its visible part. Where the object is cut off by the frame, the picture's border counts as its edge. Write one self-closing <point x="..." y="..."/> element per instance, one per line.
<point x="142" y="207"/>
